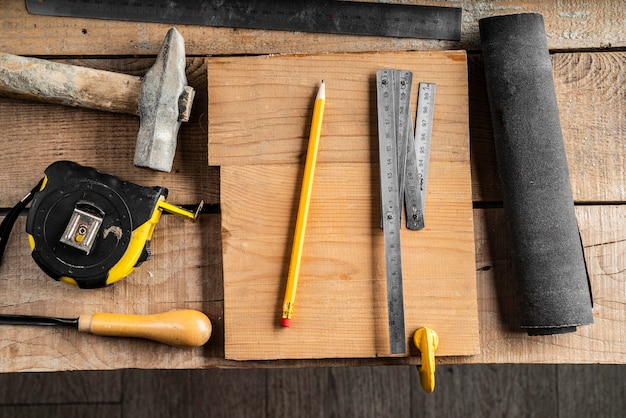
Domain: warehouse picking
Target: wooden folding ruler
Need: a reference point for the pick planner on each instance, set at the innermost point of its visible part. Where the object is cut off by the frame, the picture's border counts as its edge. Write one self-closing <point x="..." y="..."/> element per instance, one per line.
<point x="403" y="175"/>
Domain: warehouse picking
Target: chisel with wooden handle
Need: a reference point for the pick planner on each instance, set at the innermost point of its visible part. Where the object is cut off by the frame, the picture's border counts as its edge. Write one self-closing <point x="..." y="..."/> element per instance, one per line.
<point x="182" y="328"/>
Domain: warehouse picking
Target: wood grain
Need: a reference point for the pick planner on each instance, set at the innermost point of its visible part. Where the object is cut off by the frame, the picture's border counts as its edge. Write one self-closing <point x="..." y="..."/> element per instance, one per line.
<point x="569" y="24"/>
<point x="271" y="98"/>
<point x="27" y="290"/>
<point x="182" y="274"/>
<point x="63" y="411"/>
<point x="590" y="91"/>
<point x="71" y="388"/>
<point x="586" y="83"/>
<point x="489" y="390"/>
<point x="257" y="133"/>
<point x="35" y="135"/>
<point x="99" y="138"/>
<point x="345" y="392"/>
<point x="462" y="390"/>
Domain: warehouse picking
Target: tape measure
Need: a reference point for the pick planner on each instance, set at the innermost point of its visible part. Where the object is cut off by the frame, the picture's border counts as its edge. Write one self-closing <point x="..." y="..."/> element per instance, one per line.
<point x="403" y="174"/>
<point x="92" y="229"/>
<point x="342" y="17"/>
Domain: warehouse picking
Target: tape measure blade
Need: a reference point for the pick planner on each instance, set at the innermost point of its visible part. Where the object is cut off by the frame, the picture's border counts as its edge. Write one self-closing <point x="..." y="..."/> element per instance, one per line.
<point x="356" y="18"/>
<point x="423" y="133"/>
<point x="390" y="207"/>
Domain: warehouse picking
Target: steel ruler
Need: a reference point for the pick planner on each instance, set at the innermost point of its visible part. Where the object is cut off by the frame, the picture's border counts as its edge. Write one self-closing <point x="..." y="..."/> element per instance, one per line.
<point x="403" y="161"/>
<point x="390" y="85"/>
<point x="423" y="135"/>
<point x="342" y="17"/>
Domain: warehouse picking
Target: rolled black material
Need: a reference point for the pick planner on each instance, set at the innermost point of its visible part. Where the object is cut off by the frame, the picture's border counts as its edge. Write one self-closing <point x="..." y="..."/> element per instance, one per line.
<point x="554" y="292"/>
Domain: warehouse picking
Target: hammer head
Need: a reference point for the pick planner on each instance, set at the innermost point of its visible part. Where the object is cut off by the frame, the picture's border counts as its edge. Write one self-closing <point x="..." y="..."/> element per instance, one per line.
<point x="164" y="102"/>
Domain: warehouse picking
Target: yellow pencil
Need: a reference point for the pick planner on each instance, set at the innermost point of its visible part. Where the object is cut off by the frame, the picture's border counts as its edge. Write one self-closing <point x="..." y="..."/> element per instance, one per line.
<point x="303" y="206"/>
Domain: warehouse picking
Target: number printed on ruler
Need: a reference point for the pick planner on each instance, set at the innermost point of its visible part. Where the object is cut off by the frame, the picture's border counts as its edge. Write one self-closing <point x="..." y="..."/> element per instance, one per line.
<point x="424" y="131"/>
<point x="391" y="205"/>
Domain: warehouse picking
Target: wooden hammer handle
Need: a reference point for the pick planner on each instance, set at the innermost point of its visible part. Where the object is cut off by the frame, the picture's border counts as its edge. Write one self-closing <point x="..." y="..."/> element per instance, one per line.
<point x="71" y="85"/>
<point x="186" y="328"/>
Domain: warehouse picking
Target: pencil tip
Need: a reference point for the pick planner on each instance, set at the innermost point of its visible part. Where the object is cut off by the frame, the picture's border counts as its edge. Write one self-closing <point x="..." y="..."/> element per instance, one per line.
<point x="321" y="93"/>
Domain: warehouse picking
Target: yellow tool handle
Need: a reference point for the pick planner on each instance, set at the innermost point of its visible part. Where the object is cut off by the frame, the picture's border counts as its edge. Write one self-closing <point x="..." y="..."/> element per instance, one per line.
<point x="187" y="328"/>
<point x="427" y="341"/>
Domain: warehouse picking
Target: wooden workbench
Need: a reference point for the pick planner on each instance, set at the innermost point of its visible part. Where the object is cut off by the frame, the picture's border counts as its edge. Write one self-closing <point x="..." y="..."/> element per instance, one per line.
<point x="589" y="69"/>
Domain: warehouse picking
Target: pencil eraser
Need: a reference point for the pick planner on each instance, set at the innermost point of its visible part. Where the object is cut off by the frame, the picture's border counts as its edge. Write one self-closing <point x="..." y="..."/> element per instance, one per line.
<point x="286" y="322"/>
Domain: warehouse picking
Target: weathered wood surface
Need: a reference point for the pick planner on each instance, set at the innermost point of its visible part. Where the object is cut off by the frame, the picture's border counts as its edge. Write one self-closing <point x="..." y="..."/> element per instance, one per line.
<point x="590" y="88"/>
<point x="570" y="24"/>
<point x="36" y="135"/>
<point x="510" y="390"/>
<point x="591" y="97"/>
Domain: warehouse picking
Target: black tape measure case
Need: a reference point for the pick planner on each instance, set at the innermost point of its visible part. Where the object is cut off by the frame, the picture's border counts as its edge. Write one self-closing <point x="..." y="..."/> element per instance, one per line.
<point x="88" y="228"/>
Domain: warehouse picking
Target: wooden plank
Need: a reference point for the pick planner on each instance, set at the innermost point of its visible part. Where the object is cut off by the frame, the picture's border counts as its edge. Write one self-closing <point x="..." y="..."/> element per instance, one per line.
<point x="568" y="25"/>
<point x="585" y="82"/>
<point x="595" y="389"/>
<point x="262" y="105"/>
<point x="489" y="390"/>
<point x="27" y="290"/>
<point x="60" y="388"/>
<point x="157" y="393"/>
<point x="335" y="282"/>
<point x="228" y="393"/>
<point x="63" y="411"/>
<point x="36" y="135"/>
<point x="102" y="140"/>
<point x="345" y="392"/>
<point x="341" y="308"/>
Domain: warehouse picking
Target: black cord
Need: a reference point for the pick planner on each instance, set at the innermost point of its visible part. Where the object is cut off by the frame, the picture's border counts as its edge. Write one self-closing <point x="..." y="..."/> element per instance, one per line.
<point x="9" y="220"/>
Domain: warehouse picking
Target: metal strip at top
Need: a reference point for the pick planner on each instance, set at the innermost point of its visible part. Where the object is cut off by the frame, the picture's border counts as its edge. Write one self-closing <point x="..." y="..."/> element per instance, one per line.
<point x="340" y="17"/>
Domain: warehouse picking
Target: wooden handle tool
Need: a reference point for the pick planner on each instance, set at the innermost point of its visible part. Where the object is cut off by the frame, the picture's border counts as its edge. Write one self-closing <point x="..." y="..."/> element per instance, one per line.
<point x="162" y="98"/>
<point x="183" y="328"/>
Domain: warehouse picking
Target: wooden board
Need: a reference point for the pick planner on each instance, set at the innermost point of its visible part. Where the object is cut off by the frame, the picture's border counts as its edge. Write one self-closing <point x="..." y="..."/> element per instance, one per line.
<point x="258" y="130"/>
<point x="587" y="84"/>
<point x="570" y="24"/>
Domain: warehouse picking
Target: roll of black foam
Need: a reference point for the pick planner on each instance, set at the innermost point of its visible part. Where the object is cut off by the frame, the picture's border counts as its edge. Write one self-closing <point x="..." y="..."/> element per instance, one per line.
<point x="554" y="293"/>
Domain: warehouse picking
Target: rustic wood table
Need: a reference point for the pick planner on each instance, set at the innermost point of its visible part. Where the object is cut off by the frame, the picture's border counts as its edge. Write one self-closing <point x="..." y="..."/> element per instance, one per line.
<point x="589" y="65"/>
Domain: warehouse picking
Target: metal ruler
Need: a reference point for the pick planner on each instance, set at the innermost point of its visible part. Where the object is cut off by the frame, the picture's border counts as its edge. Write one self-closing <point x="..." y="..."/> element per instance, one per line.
<point x="343" y="17"/>
<point x="390" y="85"/>
<point x="423" y="134"/>
<point x="403" y="177"/>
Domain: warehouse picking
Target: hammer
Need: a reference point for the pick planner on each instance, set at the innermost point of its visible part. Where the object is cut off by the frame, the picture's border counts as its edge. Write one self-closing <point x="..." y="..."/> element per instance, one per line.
<point x="162" y="99"/>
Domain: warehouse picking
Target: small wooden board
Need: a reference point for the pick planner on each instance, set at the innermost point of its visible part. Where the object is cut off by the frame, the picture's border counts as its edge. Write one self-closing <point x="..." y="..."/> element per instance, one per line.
<point x="259" y="117"/>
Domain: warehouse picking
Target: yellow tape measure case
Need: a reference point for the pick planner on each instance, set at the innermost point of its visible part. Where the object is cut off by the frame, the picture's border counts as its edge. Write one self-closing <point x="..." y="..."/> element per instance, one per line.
<point x="88" y="228"/>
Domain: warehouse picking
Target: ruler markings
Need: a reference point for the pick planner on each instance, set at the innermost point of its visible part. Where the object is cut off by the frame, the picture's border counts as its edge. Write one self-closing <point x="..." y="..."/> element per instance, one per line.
<point x="391" y="205"/>
<point x="423" y="132"/>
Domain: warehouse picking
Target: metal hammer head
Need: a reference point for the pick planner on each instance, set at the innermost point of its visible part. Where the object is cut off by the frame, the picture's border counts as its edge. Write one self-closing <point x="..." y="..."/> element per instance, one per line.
<point x="164" y="102"/>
